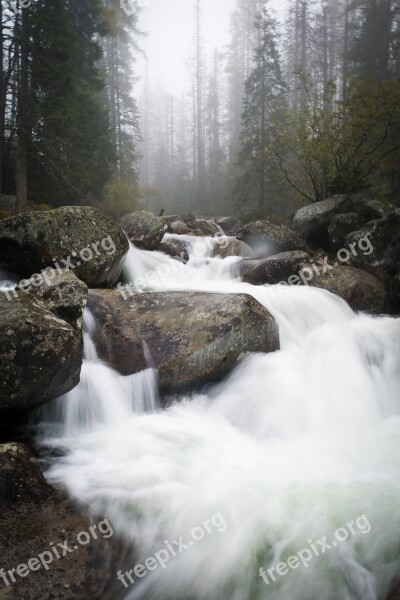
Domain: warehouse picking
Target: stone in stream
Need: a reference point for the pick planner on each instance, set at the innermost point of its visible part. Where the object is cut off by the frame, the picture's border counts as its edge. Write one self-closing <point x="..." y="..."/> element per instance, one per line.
<point x="361" y="290"/>
<point x="381" y="256"/>
<point x="175" y="249"/>
<point x="267" y="239"/>
<point x="193" y="338"/>
<point x="40" y="353"/>
<point x="76" y="238"/>
<point x="191" y="224"/>
<point x="144" y="229"/>
<point x="33" y="516"/>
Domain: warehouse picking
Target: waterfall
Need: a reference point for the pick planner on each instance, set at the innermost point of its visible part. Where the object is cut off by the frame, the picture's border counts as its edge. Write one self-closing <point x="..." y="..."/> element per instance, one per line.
<point x="292" y="448"/>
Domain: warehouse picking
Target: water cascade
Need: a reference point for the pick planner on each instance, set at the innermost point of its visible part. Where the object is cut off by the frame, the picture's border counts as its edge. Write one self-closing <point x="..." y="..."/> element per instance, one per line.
<point x="290" y="450"/>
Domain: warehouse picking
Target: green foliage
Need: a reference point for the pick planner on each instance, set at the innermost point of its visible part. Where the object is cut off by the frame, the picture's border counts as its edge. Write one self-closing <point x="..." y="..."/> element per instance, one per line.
<point x="331" y="146"/>
<point x="122" y="197"/>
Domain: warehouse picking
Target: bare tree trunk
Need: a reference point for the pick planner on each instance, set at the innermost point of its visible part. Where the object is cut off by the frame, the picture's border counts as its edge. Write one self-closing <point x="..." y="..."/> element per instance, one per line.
<point x="23" y="116"/>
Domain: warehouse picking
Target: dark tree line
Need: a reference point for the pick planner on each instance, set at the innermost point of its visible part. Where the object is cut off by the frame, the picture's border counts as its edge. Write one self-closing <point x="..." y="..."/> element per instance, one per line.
<point x="68" y="120"/>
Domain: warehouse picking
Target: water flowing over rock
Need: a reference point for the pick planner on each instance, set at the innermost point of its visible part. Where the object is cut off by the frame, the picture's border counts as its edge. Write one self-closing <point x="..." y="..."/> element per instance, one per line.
<point x="77" y="237"/>
<point x="362" y="291"/>
<point x="267" y="239"/>
<point x="144" y="229"/>
<point x="193" y="338"/>
<point x="40" y="354"/>
<point x="175" y="248"/>
<point x="276" y="269"/>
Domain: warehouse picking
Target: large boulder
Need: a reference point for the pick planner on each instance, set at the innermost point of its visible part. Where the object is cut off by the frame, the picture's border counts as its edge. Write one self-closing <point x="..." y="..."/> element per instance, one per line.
<point x="34" y="519"/>
<point x="382" y="254"/>
<point x="76" y="238"/>
<point x="272" y="270"/>
<point x="144" y="229"/>
<point x="312" y="222"/>
<point x="341" y="226"/>
<point x="40" y="354"/>
<point x="193" y="338"/>
<point x="361" y="290"/>
<point x="267" y="239"/>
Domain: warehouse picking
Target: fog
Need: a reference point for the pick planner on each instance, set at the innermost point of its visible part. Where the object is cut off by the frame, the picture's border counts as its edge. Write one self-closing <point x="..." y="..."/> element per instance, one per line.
<point x="169" y="28"/>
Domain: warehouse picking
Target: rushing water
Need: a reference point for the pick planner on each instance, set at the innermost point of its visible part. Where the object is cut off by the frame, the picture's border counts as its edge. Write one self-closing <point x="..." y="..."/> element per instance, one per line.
<point x="292" y="447"/>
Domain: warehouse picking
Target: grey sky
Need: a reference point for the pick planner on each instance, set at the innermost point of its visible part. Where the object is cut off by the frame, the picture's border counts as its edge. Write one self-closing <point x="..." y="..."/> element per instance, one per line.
<point x="170" y="24"/>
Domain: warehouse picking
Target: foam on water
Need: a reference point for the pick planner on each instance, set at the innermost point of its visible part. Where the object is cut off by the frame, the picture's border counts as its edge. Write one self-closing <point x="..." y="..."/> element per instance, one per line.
<point x="293" y="446"/>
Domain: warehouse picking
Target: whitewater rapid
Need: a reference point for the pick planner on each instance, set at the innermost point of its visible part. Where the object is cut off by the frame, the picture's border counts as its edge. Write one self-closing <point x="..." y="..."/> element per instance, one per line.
<point x="291" y="447"/>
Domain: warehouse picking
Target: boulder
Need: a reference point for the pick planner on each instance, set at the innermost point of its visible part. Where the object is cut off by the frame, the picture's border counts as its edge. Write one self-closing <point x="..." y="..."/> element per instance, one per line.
<point x="272" y="270"/>
<point x="229" y="225"/>
<point x="361" y="290"/>
<point x="267" y="239"/>
<point x="65" y="296"/>
<point x="193" y="338"/>
<point x="311" y="222"/>
<point x="382" y="256"/>
<point x="33" y="516"/>
<point x="175" y="248"/>
<point x="40" y="354"/>
<point x="341" y="226"/>
<point x="144" y="229"/>
<point x="76" y="238"/>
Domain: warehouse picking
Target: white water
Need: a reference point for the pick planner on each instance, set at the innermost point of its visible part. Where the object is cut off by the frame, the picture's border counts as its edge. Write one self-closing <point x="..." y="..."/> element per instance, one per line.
<point x="291" y="447"/>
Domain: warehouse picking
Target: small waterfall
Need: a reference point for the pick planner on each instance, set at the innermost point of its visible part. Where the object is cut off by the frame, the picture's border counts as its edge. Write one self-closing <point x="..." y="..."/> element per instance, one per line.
<point x="103" y="395"/>
<point x="291" y="448"/>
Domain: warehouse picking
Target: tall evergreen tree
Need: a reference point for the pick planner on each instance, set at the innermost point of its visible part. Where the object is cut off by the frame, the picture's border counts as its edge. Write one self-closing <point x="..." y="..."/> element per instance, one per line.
<point x="263" y="105"/>
<point x="70" y="154"/>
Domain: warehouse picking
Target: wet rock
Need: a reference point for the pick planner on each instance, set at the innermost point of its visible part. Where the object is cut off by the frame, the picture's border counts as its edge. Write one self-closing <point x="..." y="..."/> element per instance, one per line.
<point x="33" y="516"/>
<point x="341" y="226"/>
<point x="40" y="354"/>
<point x="311" y="222"/>
<point x="267" y="239"/>
<point x="144" y="229"/>
<point x="229" y="225"/>
<point x="193" y="338"/>
<point x="382" y="252"/>
<point x="361" y="290"/>
<point x="192" y="225"/>
<point x="92" y="245"/>
<point x="65" y="296"/>
<point x="232" y="247"/>
<point x="273" y="270"/>
<point x="175" y="249"/>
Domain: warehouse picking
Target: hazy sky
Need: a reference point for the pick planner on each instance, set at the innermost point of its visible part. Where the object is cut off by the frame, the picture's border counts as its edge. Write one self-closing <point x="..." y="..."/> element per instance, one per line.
<point x="170" y="26"/>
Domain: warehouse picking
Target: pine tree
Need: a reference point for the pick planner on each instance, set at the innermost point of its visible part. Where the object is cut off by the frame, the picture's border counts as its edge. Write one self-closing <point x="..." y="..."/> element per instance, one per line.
<point x="263" y="106"/>
<point x="70" y="156"/>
